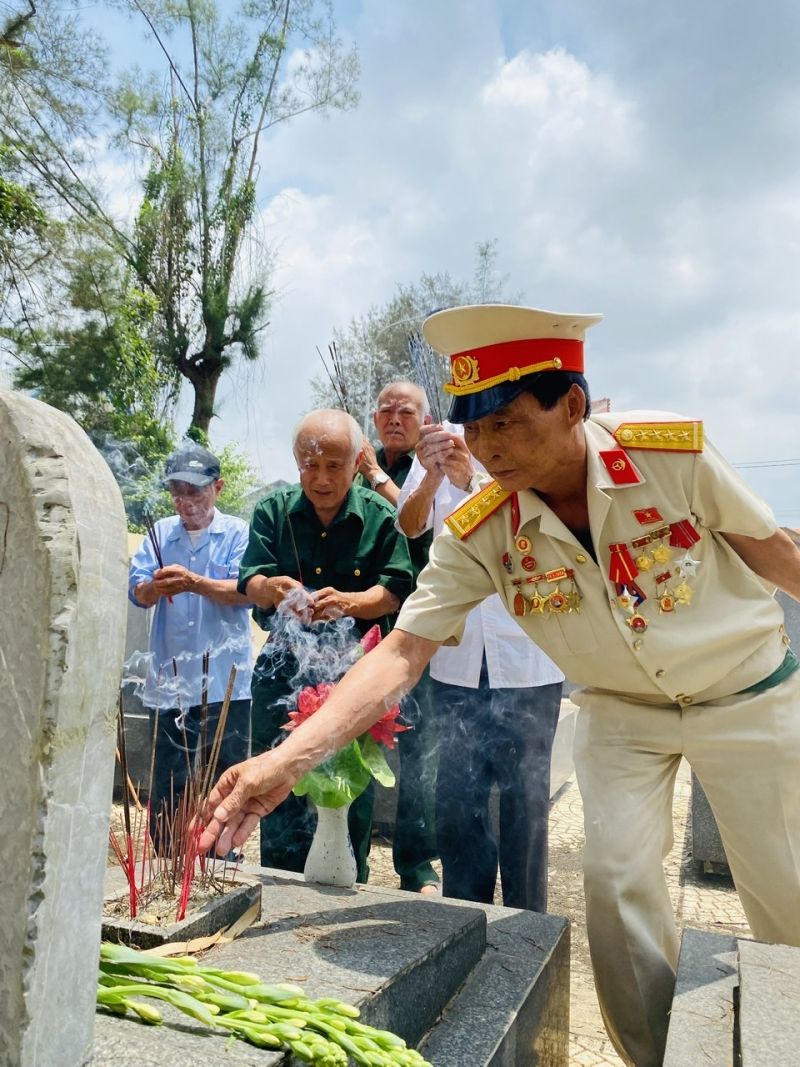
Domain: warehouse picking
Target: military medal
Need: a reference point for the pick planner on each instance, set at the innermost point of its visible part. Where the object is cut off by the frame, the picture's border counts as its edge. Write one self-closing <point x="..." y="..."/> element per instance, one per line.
<point x="507" y="562"/>
<point x="645" y="516"/>
<point x="523" y="543"/>
<point x="520" y="607"/>
<point x="637" y="622"/>
<point x="528" y="563"/>
<point x="683" y="593"/>
<point x="536" y="603"/>
<point x="557" y="602"/>
<point x="687" y="567"/>
<point x="661" y="554"/>
<point x="682" y="534"/>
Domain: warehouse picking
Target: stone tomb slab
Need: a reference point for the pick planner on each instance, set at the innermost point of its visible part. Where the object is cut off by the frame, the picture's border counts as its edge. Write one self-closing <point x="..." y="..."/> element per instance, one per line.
<point x="398" y="956"/>
<point x="701" y="1026"/>
<point x="769" y="1004"/>
<point x="513" y="1010"/>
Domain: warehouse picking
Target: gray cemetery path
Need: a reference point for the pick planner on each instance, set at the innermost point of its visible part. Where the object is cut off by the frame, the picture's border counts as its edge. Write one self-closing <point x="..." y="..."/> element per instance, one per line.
<point x="704" y="903"/>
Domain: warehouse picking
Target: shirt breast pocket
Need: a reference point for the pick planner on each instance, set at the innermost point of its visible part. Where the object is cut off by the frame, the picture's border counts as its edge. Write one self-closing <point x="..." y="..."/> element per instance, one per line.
<point x="218" y="570"/>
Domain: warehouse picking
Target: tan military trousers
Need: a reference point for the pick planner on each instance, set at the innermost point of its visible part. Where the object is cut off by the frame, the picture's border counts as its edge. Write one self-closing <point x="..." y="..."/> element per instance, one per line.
<point x="746" y="752"/>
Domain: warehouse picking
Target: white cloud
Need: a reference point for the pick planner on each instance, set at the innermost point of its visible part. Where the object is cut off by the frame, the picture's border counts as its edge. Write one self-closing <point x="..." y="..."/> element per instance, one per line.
<point x="624" y="167"/>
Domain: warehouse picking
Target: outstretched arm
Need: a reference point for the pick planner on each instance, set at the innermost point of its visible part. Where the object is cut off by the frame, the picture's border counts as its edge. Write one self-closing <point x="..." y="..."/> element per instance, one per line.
<point x="252" y="789"/>
<point x="776" y="559"/>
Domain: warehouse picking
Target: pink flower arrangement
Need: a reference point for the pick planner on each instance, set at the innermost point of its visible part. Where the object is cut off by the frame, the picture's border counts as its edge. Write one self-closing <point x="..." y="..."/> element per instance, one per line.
<point x="346" y="774"/>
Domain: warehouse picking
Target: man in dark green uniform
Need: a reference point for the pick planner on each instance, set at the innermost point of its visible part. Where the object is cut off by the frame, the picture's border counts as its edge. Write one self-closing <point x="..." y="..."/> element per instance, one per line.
<point x="323" y="564"/>
<point x="401" y="409"/>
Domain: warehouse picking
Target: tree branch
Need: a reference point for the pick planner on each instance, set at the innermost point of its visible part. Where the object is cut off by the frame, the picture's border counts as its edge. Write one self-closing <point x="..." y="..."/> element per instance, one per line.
<point x="7" y="38"/>
<point x="163" y="48"/>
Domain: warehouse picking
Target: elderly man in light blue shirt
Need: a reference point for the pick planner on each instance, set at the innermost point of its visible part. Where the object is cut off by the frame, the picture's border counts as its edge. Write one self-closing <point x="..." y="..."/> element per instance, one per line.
<point x="197" y="611"/>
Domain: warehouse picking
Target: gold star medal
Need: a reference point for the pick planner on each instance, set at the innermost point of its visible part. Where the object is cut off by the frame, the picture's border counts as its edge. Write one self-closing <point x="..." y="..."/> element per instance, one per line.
<point x="662" y="554"/>
<point x="536" y="604"/>
<point x="683" y="593"/>
<point x="557" y="602"/>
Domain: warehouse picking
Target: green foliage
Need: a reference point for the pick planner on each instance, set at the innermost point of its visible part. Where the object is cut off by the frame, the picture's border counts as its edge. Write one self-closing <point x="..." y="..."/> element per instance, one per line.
<point x="20" y="213"/>
<point x="373" y="348"/>
<point x="240" y="478"/>
<point x="199" y="132"/>
<point x="196" y="125"/>
<point x="337" y="781"/>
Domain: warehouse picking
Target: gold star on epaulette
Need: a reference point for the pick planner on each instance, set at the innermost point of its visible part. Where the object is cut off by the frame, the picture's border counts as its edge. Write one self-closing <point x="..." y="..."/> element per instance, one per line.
<point x="661" y="436"/>
<point x="468" y="517"/>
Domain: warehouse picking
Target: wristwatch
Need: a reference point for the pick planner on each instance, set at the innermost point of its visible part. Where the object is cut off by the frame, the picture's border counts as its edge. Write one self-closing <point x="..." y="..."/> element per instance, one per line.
<point x="381" y="478"/>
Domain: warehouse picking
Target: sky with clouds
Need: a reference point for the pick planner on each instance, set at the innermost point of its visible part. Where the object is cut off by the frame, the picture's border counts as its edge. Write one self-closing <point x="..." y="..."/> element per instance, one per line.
<point x="642" y="160"/>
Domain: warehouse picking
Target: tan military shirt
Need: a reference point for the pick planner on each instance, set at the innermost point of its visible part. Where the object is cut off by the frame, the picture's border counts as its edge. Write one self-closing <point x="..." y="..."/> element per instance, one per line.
<point x="709" y="630"/>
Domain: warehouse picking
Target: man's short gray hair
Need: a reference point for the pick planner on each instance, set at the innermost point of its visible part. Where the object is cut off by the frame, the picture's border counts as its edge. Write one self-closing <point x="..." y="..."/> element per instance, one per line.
<point x="330" y="422"/>
<point x="423" y="406"/>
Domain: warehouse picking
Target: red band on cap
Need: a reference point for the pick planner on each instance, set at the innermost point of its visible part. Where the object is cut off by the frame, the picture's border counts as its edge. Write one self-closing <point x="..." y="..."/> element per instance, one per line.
<point x="500" y="358"/>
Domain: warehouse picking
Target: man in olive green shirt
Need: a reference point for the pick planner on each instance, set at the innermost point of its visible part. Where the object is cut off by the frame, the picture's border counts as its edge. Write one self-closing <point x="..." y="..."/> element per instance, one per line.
<point x="401" y="409"/>
<point x="323" y="564"/>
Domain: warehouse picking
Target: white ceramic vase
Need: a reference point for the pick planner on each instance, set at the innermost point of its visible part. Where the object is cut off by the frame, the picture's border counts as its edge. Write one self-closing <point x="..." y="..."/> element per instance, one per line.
<point x="331" y="860"/>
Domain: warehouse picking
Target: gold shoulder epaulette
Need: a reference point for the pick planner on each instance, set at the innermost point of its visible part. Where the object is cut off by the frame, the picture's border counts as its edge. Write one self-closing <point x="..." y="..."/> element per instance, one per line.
<point x="468" y="517"/>
<point x="661" y="436"/>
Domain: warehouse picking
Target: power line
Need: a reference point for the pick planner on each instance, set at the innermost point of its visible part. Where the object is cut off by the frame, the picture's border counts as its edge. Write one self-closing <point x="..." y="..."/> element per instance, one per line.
<point x="769" y="463"/>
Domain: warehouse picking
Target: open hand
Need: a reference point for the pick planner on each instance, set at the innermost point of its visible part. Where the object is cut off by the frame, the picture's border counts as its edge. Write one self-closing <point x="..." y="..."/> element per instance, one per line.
<point x="242" y="796"/>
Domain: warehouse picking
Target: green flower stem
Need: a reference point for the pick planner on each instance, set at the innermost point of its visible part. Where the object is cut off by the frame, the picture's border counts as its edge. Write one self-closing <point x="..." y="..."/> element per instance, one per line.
<point x="325" y="1032"/>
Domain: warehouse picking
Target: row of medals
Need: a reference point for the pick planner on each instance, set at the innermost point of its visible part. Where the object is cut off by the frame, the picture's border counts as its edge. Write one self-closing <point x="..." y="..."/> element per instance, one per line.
<point x="651" y="558"/>
<point x="562" y="602"/>
<point x="535" y="601"/>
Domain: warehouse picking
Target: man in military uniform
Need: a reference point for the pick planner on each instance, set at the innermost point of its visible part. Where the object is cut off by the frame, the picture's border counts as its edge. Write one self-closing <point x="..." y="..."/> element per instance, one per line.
<point x="320" y="555"/>
<point x="631" y="553"/>
<point x="401" y="410"/>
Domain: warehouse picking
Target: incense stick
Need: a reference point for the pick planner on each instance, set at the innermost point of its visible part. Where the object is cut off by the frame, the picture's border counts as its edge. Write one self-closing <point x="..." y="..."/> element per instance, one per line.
<point x="126" y="806"/>
<point x="334" y="368"/>
<point x="152" y="533"/>
<point x="426" y="366"/>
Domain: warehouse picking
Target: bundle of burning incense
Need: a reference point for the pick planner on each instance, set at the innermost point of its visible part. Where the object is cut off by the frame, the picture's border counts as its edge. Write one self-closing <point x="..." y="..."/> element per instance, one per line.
<point x="427" y="367"/>
<point x="334" y="368"/>
<point x="150" y="526"/>
<point x="130" y="858"/>
<point x="170" y="856"/>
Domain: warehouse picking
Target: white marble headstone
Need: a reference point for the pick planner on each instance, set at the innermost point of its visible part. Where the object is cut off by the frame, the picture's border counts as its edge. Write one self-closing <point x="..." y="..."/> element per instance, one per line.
<point x="62" y="627"/>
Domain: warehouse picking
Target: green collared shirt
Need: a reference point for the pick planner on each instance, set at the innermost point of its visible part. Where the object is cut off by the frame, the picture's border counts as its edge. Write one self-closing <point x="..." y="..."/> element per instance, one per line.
<point x="360" y="549"/>
<point x="418" y="547"/>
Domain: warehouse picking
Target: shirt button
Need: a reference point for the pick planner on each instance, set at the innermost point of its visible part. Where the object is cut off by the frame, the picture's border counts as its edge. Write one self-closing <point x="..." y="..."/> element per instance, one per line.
<point x="191" y="624"/>
<point x="357" y="572"/>
<point x="685" y="700"/>
<point x="324" y="533"/>
<point x="637" y="644"/>
<point x="580" y="558"/>
<point x="318" y="570"/>
<point x="660" y="673"/>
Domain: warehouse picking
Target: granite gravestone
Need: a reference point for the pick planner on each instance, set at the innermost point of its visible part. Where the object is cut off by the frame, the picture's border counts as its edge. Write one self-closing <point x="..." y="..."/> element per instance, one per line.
<point x="62" y="587"/>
